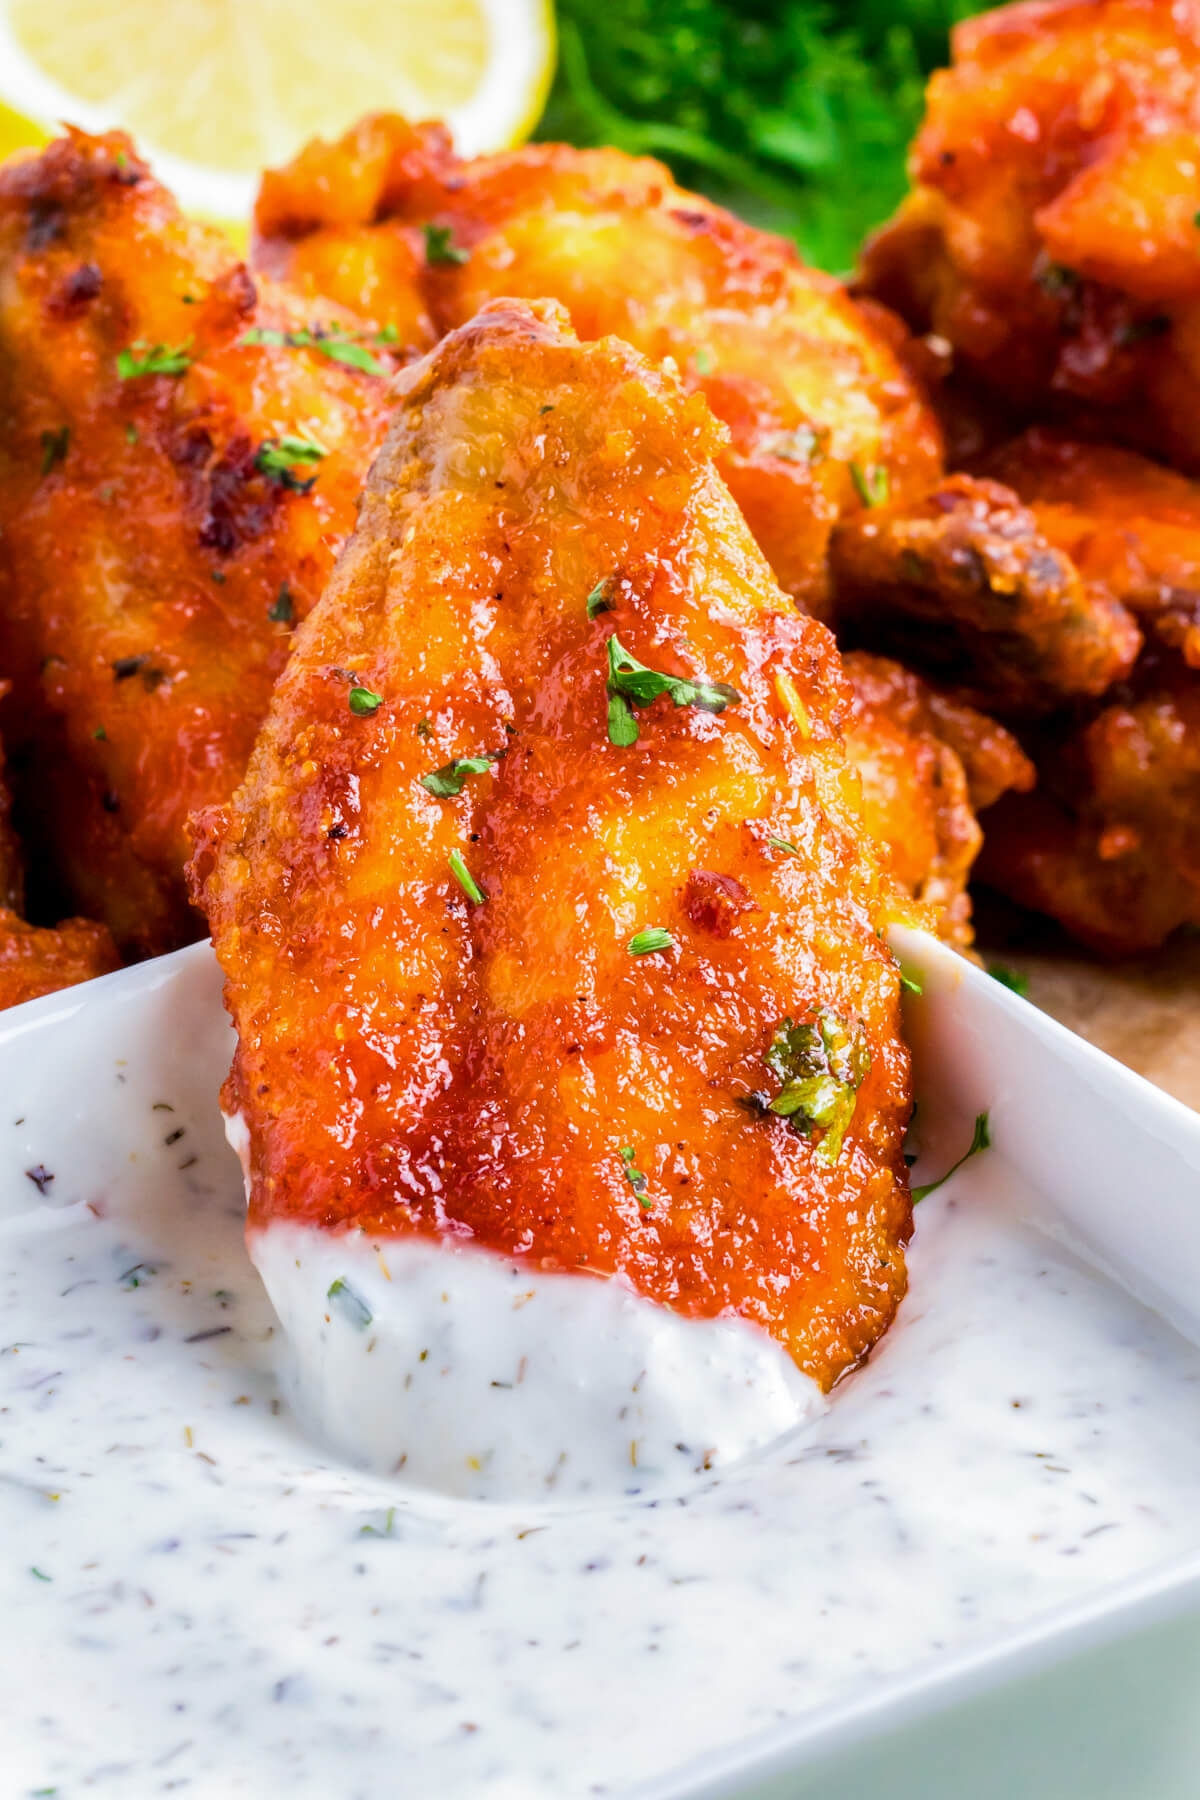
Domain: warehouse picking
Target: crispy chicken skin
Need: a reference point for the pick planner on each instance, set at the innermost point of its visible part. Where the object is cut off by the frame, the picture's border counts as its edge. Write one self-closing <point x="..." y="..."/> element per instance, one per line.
<point x="816" y="398"/>
<point x="1129" y="525"/>
<point x="421" y="1054"/>
<point x="152" y="566"/>
<point x="965" y="585"/>
<point x="1051" y="235"/>
<point x="1111" y="846"/>
<point x="927" y="765"/>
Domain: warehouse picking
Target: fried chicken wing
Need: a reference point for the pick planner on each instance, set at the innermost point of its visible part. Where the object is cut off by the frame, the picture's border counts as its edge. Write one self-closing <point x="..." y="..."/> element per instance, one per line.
<point x="547" y="910"/>
<point x="1051" y="233"/>
<point x="172" y="496"/>
<point x="1111" y="846"/>
<point x="1129" y="526"/>
<point x="927" y="765"/>
<point x="819" y="406"/>
<point x="965" y="585"/>
<point x="12" y="874"/>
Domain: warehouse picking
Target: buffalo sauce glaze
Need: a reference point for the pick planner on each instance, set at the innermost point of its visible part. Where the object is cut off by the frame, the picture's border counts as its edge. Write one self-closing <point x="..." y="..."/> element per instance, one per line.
<point x="443" y="1029"/>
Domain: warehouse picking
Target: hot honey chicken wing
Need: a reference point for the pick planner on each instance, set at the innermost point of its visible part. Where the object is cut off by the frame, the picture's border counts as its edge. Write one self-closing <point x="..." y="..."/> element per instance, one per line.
<point x="927" y="765"/>
<point x="1051" y="235"/>
<point x="819" y="407"/>
<point x="965" y="585"/>
<point x="176" y="477"/>
<point x="547" y="911"/>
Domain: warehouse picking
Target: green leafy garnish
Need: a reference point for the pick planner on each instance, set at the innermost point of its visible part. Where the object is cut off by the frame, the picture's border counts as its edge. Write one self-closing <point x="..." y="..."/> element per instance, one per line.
<point x="446" y="783"/>
<point x="980" y="1140"/>
<point x="142" y="358"/>
<point x="778" y="843"/>
<point x="637" y="1181"/>
<point x="1009" y="978"/>
<point x="331" y="341"/>
<point x="39" y="1574"/>
<point x="54" y="447"/>
<point x="645" y="943"/>
<point x="100" y="734"/>
<point x="822" y="1064"/>
<point x="389" y="1520"/>
<point x="599" y="601"/>
<point x="702" y="362"/>
<point x="277" y="459"/>
<point x="282" y="609"/>
<point x="440" y="246"/>
<point x="364" y="701"/>
<point x="910" y="983"/>
<point x="343" y="1296"/>
<point x="872" y="485"/>
<point x="631" y="683"/>
<point x="131" y="433"/>
<point x="466" y="880"/>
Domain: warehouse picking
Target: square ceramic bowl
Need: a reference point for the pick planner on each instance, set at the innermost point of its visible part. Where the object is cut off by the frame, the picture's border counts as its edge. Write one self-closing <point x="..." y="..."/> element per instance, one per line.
<point x="198" y="1600"/>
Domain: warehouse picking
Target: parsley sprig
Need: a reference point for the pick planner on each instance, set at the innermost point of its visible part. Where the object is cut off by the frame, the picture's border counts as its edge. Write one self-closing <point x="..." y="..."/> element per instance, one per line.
<point x="440" y="246"/>
<point x="332" y="341"/>
<point x="651" y="939"/>
<point x="144" y="358"/>
<point x="447" y="782"/>
<point x="277" y="459"/>
<point x="821" y="1063"/>
<point x="631" y="683"/>
<point x="634" y="1176"/>
<point x="980" y="1140"/>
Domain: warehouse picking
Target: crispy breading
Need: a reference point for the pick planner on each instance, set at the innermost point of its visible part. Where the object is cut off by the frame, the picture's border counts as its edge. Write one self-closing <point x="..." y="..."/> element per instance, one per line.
<point x="1128" y="524"/>
<point x="964" y="585"/>
<point x="815" y="396"/>
<point x="36" y="961"/>
<point x="155" y="555"/>
<point x="927" y="765"/>
<point x="441" y="1026"/>
<point x="1051" y="234"/>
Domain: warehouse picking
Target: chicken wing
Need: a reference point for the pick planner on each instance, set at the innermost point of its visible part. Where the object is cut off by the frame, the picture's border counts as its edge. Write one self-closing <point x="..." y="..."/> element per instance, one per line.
<point x="177" y="473"/>
<point x="820" y="409"/>
<point x="927" y="764"/>
<point x="964" y="584"/>
<point x="1051" y="235"/>
<point x="547" y="911"/>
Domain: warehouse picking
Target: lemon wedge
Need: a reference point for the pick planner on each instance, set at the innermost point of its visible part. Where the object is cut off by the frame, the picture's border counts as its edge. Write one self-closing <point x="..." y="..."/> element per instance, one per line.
<point x="216" y="90"/>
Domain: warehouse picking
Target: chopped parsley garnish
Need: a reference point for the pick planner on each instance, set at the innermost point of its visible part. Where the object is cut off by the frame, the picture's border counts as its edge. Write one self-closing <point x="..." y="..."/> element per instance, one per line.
<point x="634" y="1176"/>
<point x="702" y="362"/>
<point x="631" y="683"/>
<point x="54" y="447"/>
<point x="282" y="610"/>
<point x="330" y="341"/>
<point x="39" y="1574"/>
<point x="803" y="445"/>
<point x="778" y="843"/>
<point x="424" y="728"/>
<point x="466" y="880"/>
<point x="277" y="459"/>
<point x="131" y="433"/>
<point x="143" y="358"/>
<point x="599" y="600"/>
<point x="822" y="1064"/>
<point x="645" y="943"/>
<point x="389" y="1520"/>
<point x="100" y="734"/>
<point x="910" y="983"/>
<point x="872" y="485"/>
<point x="364" y="701"/>
<point x="440" y="246"/>
<point x="343" y="1296"/>
<point x="980" y="1140"/>
<point x="1009" y="978"/>
<point x="446" y="783"/>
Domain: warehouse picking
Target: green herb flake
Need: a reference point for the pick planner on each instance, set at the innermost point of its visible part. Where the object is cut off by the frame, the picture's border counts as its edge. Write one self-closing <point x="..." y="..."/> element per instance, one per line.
<point x="40" y="1575"/>
<point x="282" y="609"/>
<point x="143" y="358"/>
<point x="364" y="701"/>
<point x="440" y="246"/>
<point x="980" y="1140"/>
<point x="702" y="362"/>
<point x="131" y="433"/>
<point x="821" y="1063"/>
<point x="910" y="984"/>
<point x="645" y="943"/>
<point x="872" y="485"/>
<point x="54" y="447"/>
<point x="100" y="734"/>
<point x="600" y="598"/>
<point x="389" y="1520"/>
<point x="1012" y="979"/>
<point x="348" y="1303"/>
<point x="631" y="683"/>
<point x="330" y="341"/>
<point x="466" y="880"/>
<point x="446" y="783"/>
<point x="277" y="459"/>
<point x="634" y="1176"/>
<point x="778" y="843"/>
